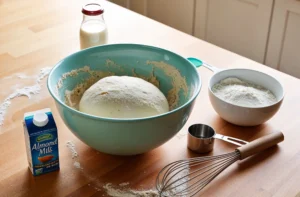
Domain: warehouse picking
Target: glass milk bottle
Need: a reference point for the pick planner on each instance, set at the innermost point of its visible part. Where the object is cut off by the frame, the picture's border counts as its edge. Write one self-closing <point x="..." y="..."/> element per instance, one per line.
<point x="93" y="30"/>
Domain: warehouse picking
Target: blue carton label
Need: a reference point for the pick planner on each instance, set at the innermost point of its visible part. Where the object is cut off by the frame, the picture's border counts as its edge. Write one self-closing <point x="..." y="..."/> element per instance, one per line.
<point x="41" y="144"/>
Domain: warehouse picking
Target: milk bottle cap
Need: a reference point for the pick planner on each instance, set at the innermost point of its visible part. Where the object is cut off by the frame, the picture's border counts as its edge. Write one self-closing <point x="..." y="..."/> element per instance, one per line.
<point x="92" y="9"/>
<point x="40" y="119"/>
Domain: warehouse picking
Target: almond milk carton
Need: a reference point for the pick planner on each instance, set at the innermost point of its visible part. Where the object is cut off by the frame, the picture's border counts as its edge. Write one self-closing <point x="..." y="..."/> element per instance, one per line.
<point x="41" y="141"/>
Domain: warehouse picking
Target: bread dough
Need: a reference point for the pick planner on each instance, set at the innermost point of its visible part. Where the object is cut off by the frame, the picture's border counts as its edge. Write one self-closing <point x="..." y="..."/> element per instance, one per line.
<point x="123" y="97"/>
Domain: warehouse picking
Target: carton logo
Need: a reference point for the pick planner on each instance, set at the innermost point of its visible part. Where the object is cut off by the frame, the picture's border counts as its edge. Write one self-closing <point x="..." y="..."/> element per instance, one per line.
<point x="44" y="137"/>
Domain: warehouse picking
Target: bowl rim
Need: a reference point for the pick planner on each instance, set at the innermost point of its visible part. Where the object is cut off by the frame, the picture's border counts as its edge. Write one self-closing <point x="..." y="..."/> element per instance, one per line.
<point x="52" y="92"/>
<point x="248" y="107"/>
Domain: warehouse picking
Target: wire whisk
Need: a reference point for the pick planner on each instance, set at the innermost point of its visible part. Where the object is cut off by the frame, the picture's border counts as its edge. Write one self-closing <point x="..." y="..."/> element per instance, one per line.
<point x="188" y="177"/>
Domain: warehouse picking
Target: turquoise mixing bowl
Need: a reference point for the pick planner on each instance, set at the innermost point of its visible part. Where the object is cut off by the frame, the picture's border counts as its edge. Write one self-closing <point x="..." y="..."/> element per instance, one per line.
<point x="125" y="136"/>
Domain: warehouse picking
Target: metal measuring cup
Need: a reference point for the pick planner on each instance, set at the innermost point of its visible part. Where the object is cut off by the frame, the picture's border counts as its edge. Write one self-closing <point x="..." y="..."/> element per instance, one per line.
<point x="201" y="138"/>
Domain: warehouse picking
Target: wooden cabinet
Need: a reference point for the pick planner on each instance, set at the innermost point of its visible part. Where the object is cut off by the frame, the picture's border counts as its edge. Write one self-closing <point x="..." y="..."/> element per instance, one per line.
<point x="175" y="13"/>
<point x="139" y="6"/>
<point x="240" y="26"/>
<point x="283" y="51"/>
<point x="123" y="3"/>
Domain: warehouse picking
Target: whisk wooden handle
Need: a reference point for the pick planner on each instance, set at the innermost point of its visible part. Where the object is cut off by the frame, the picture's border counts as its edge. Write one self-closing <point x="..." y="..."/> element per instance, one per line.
<point x="260" y="144"/>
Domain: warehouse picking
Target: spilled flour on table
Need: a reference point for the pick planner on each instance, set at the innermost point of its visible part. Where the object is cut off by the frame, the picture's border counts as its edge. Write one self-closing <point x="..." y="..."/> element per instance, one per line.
<point x="125" y="192"/>
<point x="181" y="134"/>
<point x="124" y="184"/>
<point x="77" y="165"/>
<point x="122" y="190"/>
<point x="27" y="91"/>
<point x="23" y="76"/>
<point x="74" y="153"/>
<point x="72" y="148"/>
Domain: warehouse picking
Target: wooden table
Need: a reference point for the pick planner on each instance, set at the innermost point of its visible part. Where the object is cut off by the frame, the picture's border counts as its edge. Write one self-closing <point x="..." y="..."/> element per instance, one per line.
<point x="38" y="33"/>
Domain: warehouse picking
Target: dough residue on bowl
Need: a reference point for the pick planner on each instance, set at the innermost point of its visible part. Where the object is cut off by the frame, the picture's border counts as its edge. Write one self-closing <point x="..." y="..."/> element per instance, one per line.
<point x="72" y="97"/>
<point x="179" y="82"/>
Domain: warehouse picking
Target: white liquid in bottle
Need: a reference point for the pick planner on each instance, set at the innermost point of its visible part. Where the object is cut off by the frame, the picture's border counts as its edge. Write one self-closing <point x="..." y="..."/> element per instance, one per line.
<point x="92" y="34"/>
<point x="93" y="30"/>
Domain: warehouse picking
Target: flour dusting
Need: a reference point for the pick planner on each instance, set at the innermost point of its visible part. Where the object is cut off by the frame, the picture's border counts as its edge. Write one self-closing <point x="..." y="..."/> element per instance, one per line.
<point x="181" y="134"/>
<point x="74" y="154"/>
<point x="124" y="184"/>
<point x="123" y="97"/>
<point x="44" y="72"/>
<point x="27" y="91"/>
<point x="23" y="76"/>
<point x="77" y="165"/>
<point x="72" y="148"/>
<point x="121" y="192"/>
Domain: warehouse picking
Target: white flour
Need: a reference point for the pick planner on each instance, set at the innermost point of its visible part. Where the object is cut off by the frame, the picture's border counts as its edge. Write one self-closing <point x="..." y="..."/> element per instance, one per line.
<point x="121" y="192"/>
<point x="74" y="153"/>
<point x="72" y="148"/>
<point x="25" y="91"/>
<point x="77" y="165"/>
<point x="23" y="76"/>
<point x="181" y="134"/>
<point x="239" y="92"/>
<point x="124" y="184"/>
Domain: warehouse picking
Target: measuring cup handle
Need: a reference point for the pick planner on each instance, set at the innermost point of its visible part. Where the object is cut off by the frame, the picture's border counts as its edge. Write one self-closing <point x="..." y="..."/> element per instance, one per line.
<point x="231" y="140"/>
<point x="197" y="63"/>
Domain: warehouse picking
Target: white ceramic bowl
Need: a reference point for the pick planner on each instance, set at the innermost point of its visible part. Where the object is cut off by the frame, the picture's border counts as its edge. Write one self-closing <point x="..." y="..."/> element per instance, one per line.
<point x="240" y="115"/>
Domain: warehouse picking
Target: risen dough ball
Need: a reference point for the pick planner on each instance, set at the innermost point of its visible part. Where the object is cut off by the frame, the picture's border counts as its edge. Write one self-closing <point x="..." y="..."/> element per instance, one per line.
<point x="123" y="97"/>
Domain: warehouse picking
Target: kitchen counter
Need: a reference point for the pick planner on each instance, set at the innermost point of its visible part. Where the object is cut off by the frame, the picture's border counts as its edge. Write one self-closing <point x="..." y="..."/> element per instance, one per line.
<point x="36" y="33"/>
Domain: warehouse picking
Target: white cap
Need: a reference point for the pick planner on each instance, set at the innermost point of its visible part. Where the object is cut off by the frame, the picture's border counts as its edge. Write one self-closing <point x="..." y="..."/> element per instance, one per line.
<point x="40" y="119"/>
